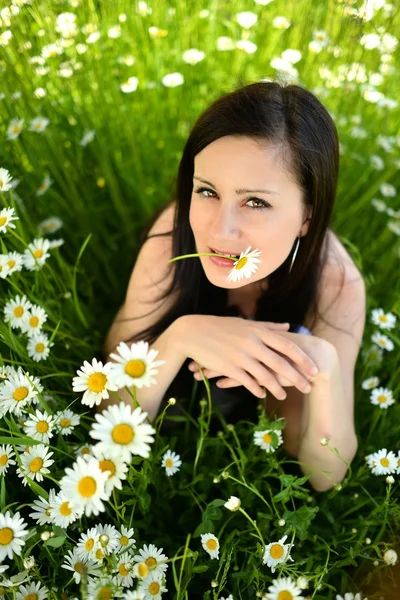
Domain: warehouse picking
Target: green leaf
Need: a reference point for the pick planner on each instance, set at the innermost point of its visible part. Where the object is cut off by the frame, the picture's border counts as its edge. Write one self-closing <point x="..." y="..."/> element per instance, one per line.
<point x="287" y="480"/>
<point x="57" y="541"/>
<point x="213" y="513"/>
<point x="39" y="491"/>
<point x="204" y="527"/>
<point x="300" y="519"/>
<point x="282" y="496"/>
<point x="200" y="569"/>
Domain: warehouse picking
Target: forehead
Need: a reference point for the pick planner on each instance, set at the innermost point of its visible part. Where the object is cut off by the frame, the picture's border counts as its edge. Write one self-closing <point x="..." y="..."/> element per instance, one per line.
<point x="245" y="160"/>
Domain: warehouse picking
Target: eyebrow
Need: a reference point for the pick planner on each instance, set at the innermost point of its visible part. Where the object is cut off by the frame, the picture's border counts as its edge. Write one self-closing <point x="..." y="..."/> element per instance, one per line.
<point x="241" y="191"/>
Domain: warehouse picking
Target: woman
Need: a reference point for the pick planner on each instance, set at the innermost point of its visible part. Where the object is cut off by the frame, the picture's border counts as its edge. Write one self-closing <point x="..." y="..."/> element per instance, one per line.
<point x="259" y="169"/>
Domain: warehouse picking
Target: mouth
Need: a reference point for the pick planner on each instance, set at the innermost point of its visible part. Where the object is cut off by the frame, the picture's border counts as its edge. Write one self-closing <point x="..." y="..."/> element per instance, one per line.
<point x="227" y="253"/>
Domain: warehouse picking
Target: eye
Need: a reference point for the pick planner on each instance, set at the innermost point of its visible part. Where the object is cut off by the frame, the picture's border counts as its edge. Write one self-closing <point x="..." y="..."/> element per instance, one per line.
<point x="262" y="203"/>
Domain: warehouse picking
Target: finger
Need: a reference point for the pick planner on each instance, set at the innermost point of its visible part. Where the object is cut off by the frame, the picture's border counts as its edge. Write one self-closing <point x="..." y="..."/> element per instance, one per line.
<point x="288" y="348"/>
<point x="227" y="382"/>
<point x="271" y="325"/>
<point x="264" y="377"/>
<point x="207" y="373"/>
<point x="241" y="376"/>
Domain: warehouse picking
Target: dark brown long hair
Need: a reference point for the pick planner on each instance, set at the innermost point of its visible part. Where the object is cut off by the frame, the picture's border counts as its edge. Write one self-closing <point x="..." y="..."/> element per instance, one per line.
<point x="299" y="127"/>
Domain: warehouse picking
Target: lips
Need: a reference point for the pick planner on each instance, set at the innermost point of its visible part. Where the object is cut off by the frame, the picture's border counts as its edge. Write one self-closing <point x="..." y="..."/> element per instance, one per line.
<point x="225" y="252"/>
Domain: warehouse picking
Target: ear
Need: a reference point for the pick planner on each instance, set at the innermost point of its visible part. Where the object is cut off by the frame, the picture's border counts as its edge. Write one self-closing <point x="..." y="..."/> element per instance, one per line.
<point x="306" y="221"/>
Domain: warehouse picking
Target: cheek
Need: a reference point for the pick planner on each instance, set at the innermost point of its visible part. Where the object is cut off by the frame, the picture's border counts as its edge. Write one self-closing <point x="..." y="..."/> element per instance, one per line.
<point x="196" y="217"/>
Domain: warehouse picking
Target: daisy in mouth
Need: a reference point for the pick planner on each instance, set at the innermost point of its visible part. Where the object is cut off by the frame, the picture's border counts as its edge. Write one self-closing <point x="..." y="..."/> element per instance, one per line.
<point x="244" y="264"/>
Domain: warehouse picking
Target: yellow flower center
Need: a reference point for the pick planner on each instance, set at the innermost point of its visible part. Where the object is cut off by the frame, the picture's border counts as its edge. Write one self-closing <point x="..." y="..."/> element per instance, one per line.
<point x="20" y="393"/>
<point x="48" y="511"/>
<point x="383" y="318"/>
<point x="18" y="311"/>
<point x="39" y="347"/>
<point x="143" y="569"/>
<point x="267" y="438"/>
<point x="241" y="263"/>
<point x="65" y="509"/>
<point x="151" y="562"/>
<point x="107" y="465"/>
<point x="169" y="462"/>
<point x="211" y="544"/>
<point x="154" y="588"/>
<point x="16" y="129"/>
<point x="99" y="553"/>
<point x="97" y="382"/>
<point x="2" y="219"/>
<point x="135" y="368"/>
<point x="34" y="321"/>
<point x="38" y="125"/>
<point x="89" y="544"/>
<point x="122" y="434"/>
<point x="6" y="536"/>
<point x="285" y="595"/>
<point x="123" y="540"/>
<point x="382" y="399"/>
<point x="104" y="594"/>
<point x="87" y="486"/>
<point x="11" y="263"/>
<point x="85" y="451"/>
<point x="384" y="462"/>
<point x="276" y="551"/>
<point x="65" y="422"/>
<point x="3" y="460"/>
<point x="36" y="464"/>
<point x="42" y="427"/>
<point x="123" y="570"/>
<point x="31" y="597"/>
<point x="38" y="253"/>
<point x="80" y="567"/>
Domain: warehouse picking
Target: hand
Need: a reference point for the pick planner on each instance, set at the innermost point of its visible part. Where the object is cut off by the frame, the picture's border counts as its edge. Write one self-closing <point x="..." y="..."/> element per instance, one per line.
<point x="322" y="352"/>
<point x="251" y="353"/>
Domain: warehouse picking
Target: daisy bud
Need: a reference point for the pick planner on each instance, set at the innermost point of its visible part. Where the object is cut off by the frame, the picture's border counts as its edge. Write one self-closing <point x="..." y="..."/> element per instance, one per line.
<point x="324" y="441"/>
<point x="45" y="535"/>
<point x="376" y="563"/>
<point x="368" y="540"/>
<point x="29" y="562"/>
<point x="281" y="522"/>
<point x="354" y="530"/>
<point x="220" y="433"/>
<point x="302" y="583"/>
<point x="104" y="539"/>
<point x="390" y="480"/>
<point x="338" y="487"/>
<point x="233" y="503"/>
<point x="355" y="496"/>
<point x="230" y="427"/>
<point x="214" y="583"/>
<point x="225" y="474"/>
<point x="390" y="557"/>
<point x="216" y="480"/>
<point x="172" y="402"/>
<point x="52" y="534"/>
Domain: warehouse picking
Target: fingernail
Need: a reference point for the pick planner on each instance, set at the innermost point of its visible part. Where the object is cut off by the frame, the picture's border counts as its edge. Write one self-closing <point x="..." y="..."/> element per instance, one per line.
<point x="314" y="371"/>
<point x="191" y="367"/>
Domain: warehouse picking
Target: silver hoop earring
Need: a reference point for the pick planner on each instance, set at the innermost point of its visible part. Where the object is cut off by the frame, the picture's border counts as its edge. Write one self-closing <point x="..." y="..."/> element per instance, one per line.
<point x="295" y="252"/>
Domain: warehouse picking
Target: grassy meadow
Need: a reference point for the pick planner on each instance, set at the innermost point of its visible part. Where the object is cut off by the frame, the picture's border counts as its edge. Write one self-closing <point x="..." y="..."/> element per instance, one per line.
<point x="97" y="99"/>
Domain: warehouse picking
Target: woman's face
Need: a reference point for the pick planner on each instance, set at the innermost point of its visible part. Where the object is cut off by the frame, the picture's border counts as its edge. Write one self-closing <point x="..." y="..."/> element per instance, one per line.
<point x="223" y="219"/>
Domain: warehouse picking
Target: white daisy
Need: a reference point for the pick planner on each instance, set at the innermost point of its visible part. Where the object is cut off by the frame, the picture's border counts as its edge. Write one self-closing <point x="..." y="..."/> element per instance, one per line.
<point x="4" y="269"/>
<point x="269" y="439"/>
<point x="233" y="503"/>
<point x="124" y="569"/>
<point x="15" y="310"/>
<point x="135" y="365"/>
<point x="95" y="380"/>
<point x="62" y="513"/>
<point x="382" y="397"/>
<point x="383" y="462"/>
<point x="87" y="137"/>
<point x="398" y="463"/>
<point x="118" y="425"/>
<point x="370" y="383"/>
<point x="153" y="558"/>
<point x="35" y="463"/>
<point x="152" y="587"/>
<point x="17" y="392"/>
<point x="86" y="450"/>
<point x="7" y="215"/>
<point x="39" y="345"/>
<point x="47" y="181"/>
<point x="171" y="461"/>
<point x="103" y="587"/>
<point x="390" y="557"/>
<point x="283" y="588"/>
<point x="33" y="591"/>
<point x="80" y="566"/>
<point x="276" y="553"/>
<point x="130" y="85"/>
<point x="133" y="595"/>
<point x="39" y="426"/>
<point x="382" y="341"/>
<point x="65" y="421"/>
<point x="15" y="262"/>
<point x="36" y="254"/>
<point x="210" y="544"/>
<point x="172" y="80"/>
<point x="6" y="458"/>
<point x="84" y="486"/>
<point x="245" y="266"/>
<point x="35" y="318"/>
<point x="116" y="462"/>
<point x="349" y="596"/>
<point x="14" y="128"/>
<point x="56" y="243"/>
<point x="43" y="509"/>
<point x="385" y="321"/>
<point x="12" y="530"/>
<point x="387" y="190"/>
<point x="246" y="19"/>
<point x="108" y="539"/>
<point x="38" y="124"/>
<point x="88" y="544"/>
<point x="50" y="225"/>
<point x="126" y="540"/>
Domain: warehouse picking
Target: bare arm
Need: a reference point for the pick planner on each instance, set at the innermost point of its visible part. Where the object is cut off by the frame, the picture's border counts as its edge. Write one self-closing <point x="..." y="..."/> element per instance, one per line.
<point x="170" y="349"/>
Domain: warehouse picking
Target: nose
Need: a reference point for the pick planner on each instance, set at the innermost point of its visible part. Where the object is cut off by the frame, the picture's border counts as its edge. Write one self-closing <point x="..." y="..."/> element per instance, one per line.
<point x="225" y="224"/>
